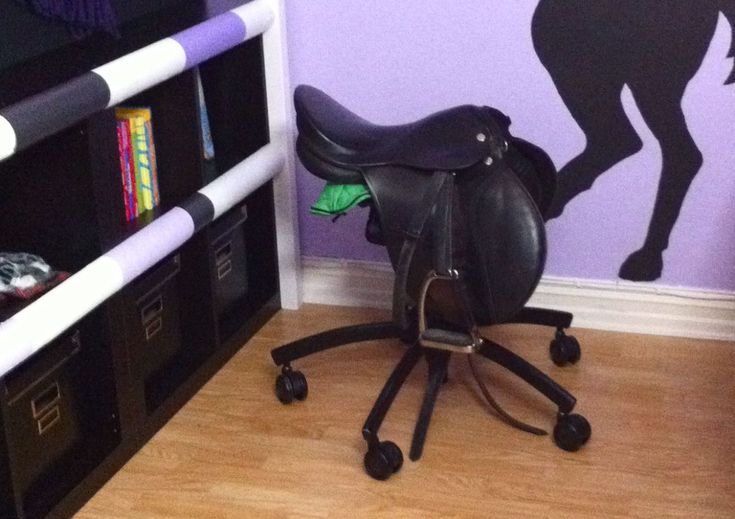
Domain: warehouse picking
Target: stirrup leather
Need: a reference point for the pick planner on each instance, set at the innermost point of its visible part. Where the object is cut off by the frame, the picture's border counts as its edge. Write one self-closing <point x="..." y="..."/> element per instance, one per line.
<point x="462" y="342"/>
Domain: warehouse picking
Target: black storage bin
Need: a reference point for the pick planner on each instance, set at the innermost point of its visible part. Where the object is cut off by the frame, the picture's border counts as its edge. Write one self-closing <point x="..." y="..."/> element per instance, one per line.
<point x="229" y="271"/>
<point x="154" y="328"/>
<point x="59" y="416"/>
<point x="155" y="332"/>
<point x="43" y="411"/>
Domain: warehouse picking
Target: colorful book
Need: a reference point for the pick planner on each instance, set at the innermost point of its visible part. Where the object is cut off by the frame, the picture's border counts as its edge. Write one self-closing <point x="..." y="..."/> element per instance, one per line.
<point x="124" y="172"/>
<point x="142" y="163"/>
<point x="154" y="165"/>
<point x="143" y="159"/>
<point x="133" y="183"/>
<point x="127" y="170"/>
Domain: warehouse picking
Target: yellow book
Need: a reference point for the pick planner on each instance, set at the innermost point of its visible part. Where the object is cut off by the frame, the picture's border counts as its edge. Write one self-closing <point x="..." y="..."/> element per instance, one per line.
<point x="128" y="113"/>
<point x="142" y="147"/>
<point x="142" y="162"/>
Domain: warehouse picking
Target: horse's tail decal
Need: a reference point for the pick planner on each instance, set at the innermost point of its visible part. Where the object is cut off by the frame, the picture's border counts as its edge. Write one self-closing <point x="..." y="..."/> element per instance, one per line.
<point x="727" y="7"/>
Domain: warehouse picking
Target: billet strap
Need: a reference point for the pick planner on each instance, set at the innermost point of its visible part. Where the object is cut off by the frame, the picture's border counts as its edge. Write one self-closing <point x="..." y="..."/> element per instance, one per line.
<point x="442" y="229"/>
<point x="460" y="292"/>
<point x="412" y="235"/>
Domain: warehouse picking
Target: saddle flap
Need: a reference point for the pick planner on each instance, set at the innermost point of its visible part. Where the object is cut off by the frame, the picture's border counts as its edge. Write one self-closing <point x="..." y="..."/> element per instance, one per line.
<point x="506" y="245"/>
<point x="499" y="237"/>
<point x="535" y="169"/>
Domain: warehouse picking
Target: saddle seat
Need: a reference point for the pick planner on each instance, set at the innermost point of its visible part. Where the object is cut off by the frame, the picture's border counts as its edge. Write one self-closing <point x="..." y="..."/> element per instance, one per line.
<point x="450" y="140"/>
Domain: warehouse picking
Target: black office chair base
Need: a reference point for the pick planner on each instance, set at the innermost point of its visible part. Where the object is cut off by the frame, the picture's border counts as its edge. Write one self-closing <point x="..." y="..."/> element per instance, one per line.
<point x="384" y="458"/>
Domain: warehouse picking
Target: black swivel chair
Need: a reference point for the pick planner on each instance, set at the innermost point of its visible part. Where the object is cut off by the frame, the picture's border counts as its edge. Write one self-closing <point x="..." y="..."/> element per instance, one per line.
<point x="458" y="202"/>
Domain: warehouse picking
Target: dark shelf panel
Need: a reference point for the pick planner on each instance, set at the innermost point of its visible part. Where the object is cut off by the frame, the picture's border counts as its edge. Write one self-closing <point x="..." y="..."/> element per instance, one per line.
<point x="149" y="348"/>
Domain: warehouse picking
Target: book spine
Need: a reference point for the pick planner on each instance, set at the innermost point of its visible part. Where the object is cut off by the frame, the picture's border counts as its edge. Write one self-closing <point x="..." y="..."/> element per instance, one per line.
<point x="154" y="164"/>
<point x="130" y="165"/>
<point x="123" y="173"/>
<point x="207" y="142"/>
<point x="142" y="162"/>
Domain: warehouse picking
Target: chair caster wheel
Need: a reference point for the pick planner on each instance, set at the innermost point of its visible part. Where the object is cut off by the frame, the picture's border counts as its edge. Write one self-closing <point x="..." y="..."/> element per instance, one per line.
<point x="564" y="349"/>
<point x="571" y="432"/>
<point x="290" y="385"/>
<point x="383" y="460"/>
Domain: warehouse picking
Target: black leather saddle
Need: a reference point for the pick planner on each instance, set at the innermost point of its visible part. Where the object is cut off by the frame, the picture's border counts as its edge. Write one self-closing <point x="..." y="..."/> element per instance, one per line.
<point x="337" y="145"/>
<point x="458" y="202"/>
<point x="493" y="224"/>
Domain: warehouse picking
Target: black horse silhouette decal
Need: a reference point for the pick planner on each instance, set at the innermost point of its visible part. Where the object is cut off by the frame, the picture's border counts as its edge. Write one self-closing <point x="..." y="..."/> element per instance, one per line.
<point x="592" y="48"/>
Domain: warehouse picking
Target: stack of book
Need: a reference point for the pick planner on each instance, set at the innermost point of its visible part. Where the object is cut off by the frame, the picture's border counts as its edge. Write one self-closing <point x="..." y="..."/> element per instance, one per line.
<point x="137" y="161"/>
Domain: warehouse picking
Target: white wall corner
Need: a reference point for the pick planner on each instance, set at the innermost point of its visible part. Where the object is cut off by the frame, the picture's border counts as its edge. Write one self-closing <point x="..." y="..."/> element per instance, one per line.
<point x="281" y="120"/>
<point x="616" y="306"/>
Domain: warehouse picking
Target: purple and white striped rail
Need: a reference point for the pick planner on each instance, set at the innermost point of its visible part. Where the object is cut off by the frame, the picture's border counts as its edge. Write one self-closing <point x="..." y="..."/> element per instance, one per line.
<point x="53" y="313"/>
<point x="49" y="112"/>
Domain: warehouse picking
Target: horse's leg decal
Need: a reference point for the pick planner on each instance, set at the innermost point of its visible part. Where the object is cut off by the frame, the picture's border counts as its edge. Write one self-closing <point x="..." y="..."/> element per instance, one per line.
<point x="598" y="109"/>
<point x="681" y="160"/>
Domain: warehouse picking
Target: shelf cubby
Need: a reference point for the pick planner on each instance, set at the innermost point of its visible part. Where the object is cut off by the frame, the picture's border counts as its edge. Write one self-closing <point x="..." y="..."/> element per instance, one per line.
<point x="238" y="118"/>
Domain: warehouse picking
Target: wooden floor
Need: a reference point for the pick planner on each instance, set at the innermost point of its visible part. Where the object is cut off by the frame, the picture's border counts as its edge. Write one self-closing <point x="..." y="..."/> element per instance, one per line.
<point x="663" y="441"/>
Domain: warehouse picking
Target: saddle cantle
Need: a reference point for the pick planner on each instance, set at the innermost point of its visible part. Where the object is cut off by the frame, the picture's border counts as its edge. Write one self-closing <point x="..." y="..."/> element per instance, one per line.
<point x="500" y="183"/>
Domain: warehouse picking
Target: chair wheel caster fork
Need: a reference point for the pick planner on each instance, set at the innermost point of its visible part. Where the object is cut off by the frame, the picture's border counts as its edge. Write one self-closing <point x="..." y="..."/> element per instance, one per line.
<point x="571" y="432"/>
<point x="564" y="349"/>
<point x="383" y="459"/>
<point x="291" y="385"/>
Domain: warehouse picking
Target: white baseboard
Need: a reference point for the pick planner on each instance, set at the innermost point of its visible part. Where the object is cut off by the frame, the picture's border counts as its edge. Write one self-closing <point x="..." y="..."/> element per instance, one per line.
<point x="618" y="306"/>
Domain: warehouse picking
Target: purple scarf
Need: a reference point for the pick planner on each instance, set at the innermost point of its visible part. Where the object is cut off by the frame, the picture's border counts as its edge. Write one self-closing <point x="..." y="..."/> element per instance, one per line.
<point x="82" y="16"/>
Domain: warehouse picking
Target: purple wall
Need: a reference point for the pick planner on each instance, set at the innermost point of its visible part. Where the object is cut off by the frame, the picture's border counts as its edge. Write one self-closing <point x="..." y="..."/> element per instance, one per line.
<point x="393" y="62"/>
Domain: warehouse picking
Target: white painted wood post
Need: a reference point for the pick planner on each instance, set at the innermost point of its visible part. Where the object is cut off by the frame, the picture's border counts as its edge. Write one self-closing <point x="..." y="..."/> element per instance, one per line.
<point x="281" y="117"/>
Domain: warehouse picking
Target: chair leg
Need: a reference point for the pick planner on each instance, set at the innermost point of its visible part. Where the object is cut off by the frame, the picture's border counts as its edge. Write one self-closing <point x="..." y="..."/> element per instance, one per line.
<point x="438" y="364"/>
<point x="545" y="385"/>
<point x="544" y="317"/>
<point x="388" y="394"/>
<point x="334" y="338"/>
<point x="563" y="349"/>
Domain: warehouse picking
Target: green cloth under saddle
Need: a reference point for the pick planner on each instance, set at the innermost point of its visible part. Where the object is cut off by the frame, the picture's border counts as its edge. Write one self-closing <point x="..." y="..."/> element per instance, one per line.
<point x="337" y="199"/>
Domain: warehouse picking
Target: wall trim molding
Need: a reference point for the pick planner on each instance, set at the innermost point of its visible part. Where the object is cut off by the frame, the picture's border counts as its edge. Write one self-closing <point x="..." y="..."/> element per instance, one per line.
<point x="617" y="306"/>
